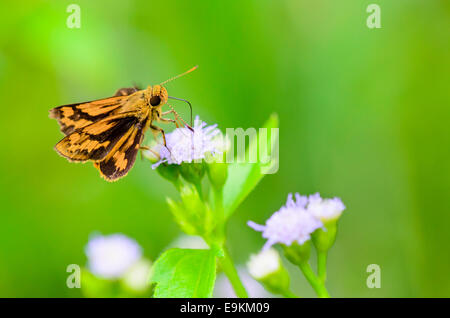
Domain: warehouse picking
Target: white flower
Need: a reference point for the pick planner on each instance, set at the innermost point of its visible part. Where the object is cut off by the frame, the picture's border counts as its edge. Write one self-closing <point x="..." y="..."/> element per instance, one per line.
<point x="187" y="146"/>
<point x="325" y="209"/>
<point x="110" y="256"/>
<point x="137" y="277"/>
<point x="264" y="263"/>
<point x="292" y="223"/>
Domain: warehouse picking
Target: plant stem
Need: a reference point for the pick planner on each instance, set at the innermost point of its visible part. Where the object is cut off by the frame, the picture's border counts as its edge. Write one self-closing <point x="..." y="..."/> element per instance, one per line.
<point x="318" y="286"/>
<point x="198" y="187"/>
<point x="219" y="237"/>
<point x="322" y="266"/>
<point x="233" y="277"/>
<point x="218" y="208"/>
<point x="218" y="201"/>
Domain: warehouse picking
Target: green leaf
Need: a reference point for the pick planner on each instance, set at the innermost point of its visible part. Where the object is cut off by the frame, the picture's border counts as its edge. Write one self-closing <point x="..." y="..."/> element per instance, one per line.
<point x="184" y="273"/>
<point x="244" y="177"/>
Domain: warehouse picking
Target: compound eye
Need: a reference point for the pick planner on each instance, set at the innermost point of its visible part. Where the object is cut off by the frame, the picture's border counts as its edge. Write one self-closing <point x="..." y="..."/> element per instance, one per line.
<point x="155" y="100"/>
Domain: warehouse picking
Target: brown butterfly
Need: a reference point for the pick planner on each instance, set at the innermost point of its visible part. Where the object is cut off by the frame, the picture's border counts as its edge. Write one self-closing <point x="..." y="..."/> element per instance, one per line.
<point x="109" y="131"/>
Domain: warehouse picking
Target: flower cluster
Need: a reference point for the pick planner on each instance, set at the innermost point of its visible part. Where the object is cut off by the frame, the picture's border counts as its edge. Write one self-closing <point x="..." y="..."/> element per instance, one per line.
<point x="185" y="145"/>
<point x="298" y="219"/>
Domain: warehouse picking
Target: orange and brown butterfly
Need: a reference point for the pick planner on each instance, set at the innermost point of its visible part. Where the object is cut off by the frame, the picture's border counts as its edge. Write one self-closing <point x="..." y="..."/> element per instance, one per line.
<point x="109" y="131"/>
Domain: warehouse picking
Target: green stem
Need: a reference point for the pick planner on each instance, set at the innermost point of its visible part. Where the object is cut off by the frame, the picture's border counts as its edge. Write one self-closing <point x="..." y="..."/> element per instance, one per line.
<point x="219" y="236"/>
<point x="218" y="201"/>
<point x="314" y="281"/>
<point x="322" y="266"/>
<point x="198" y="187"/>
<point x="218" y="207"/>
<point x="231" y="272"/>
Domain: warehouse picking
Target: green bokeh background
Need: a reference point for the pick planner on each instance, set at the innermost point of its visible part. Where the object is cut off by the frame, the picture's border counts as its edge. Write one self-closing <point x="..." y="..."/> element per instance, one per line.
<point x="364" y="115"/>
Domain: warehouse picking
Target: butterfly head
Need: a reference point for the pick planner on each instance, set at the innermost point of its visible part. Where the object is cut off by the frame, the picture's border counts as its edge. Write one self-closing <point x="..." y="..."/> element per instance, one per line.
<point x="156" y="95"/>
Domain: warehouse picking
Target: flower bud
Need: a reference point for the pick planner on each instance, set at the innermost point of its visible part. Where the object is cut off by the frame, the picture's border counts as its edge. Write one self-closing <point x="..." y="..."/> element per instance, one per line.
<point x="217" y="174"/>
<point x="323" y="239"/>
<point x="266" y="267"/>
<point x="329" y="212"/>
<point x="169" y="172"/>
<point x="297" y="253"/>
<point x="193" y="172"/>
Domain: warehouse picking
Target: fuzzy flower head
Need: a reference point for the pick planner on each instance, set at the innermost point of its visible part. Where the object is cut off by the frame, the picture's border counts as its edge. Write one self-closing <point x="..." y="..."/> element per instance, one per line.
<point x="264" y="263"/>
<point x="292" y="223"/>
<point x="325" y="209"/>
<point x="184" y="145"/>
<point x="110" y="256"/>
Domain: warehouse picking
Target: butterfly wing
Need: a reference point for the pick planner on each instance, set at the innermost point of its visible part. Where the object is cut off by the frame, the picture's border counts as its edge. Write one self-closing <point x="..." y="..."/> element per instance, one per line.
<point x="75" y="116"/>
<point x="118" y="162"/>
<point x="125" y="91"/>
<point x="95" y="141"/>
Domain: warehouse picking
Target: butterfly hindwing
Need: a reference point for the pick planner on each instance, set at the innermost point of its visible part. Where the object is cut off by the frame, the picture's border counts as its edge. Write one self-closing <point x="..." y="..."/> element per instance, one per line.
<point x="125" y="91"/>
<point x="120" y="160"/>
<point x="95" y="141"/>
<point x="75" y="116"/>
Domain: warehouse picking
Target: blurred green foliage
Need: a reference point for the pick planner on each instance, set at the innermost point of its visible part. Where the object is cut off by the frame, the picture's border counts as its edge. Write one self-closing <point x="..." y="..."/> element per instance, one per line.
<point x="364" y="115"/>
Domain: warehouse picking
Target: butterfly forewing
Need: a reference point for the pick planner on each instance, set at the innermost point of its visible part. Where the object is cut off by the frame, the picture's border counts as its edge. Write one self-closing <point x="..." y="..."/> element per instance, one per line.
<point x="95" y="141"/>
<point x="74" y="116"/>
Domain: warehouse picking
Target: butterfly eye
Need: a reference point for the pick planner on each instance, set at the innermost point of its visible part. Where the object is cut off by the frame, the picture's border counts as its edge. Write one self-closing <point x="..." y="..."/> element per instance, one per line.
<point x="155" y="100"/>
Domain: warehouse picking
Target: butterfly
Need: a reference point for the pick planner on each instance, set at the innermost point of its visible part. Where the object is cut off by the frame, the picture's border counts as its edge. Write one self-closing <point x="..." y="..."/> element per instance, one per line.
<point x="109" y="131"/>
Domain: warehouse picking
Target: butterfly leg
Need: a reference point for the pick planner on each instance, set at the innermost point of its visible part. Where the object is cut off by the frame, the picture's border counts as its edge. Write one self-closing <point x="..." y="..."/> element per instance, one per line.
<point x="156" y="130"/>
<point x="168" y="120"/>
<point x="177" y="118"/>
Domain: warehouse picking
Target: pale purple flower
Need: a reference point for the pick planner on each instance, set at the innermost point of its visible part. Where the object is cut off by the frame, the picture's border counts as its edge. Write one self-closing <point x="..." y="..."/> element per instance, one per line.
<point x="325" y="209"/>
<point x="110" y="256"/>
<point x="292" y="223"/>
<point x="186" y="145"/>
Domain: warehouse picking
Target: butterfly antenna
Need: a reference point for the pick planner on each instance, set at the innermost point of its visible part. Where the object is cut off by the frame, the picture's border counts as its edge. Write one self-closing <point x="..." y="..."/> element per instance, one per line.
<point x="182" y="74"/>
